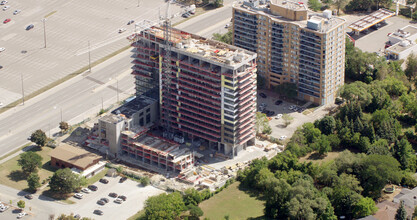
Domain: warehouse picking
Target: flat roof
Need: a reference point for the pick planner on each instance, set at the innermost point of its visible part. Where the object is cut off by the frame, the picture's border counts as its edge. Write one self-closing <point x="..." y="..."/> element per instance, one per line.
<point x="371" y="19"/>
<point x="327" y="24"/>
<point x="134" y="106"/>
<point x="207" y="48"/>
<point x="404" y="32"/>
<point x="400" y="47"/>
<point x="74" y="155"/>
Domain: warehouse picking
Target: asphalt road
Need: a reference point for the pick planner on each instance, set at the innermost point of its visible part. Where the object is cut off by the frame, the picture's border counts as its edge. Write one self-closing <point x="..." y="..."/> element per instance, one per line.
<point x="70" y="25"/>
<point x="81" y="96"/>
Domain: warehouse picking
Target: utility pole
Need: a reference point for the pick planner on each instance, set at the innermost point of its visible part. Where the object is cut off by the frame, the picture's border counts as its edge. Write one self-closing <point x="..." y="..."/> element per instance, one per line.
<point x="138" y="3"/>
<point x="61" y="115"/>
<point x="44" y="30"/>
<point x="89" y="58"/>
<point x="102" y="106"/>
<point x="23" y="90"/>
<point x="117" y="89"/>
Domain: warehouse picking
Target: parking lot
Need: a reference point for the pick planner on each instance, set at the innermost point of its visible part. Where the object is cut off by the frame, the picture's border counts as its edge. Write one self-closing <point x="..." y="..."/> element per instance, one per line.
<point x="277" y="125"/>
<point x="135" y="193"/>
<point x="69" y="26"/>
<point x="41" y="207"/>
<point x="374" y="40"/>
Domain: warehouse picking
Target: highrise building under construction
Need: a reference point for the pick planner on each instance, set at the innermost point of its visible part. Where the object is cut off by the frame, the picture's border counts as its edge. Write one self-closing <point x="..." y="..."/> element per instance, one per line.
<point x="206" y="89"/>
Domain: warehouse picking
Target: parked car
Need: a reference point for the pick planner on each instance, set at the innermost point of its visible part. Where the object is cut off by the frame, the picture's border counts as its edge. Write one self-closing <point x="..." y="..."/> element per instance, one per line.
<point x="282" y="138"/>
<point x="121" y="30"/>
<point x="118" y="200"/>
<point x="278" y="102"/>
<point x="85" y="190"/>
<point x="78" y="195"/>
<point x="122" y="179"/>
<point x="122" y="198"/>
<point x="17" y="11"/>
<point x="29" y="196"/>
<point x="98" y="212"/>
<point x="101" y="202"/>
<point x="77" y="216"/>
<point x="105" y="181"/>
<point x="130" y="22"/>
<point x="21" y="215"/>
<point x="1" y="67"/>
<point x="7" y="21"/>
<point x="106" y="200"/>
<point x="186" y="15"/>
<point x="6" y="7"/>
<point x="2" y="49"/>
<point x="3" y="208"/>
<point x="3" y="2"/>
<point x="112" y="194"/>
<point x="30" y="27"/>
<point x="227" y="25"/>
<point x="262" y="95"/>
<point x="93" y="187"/>
<point x="278" y="116"/>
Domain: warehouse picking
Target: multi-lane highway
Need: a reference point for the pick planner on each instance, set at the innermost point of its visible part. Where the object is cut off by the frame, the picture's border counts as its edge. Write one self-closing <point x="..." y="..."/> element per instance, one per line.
<point x="81" y="96"/>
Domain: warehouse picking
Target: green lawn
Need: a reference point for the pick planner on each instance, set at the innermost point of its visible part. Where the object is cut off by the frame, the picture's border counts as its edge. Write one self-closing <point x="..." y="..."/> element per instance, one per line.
<point x="97" y="177"/>
<point x="233" y="202"/>
<point x="11" y="173"/>
<point x="138" y="215"/>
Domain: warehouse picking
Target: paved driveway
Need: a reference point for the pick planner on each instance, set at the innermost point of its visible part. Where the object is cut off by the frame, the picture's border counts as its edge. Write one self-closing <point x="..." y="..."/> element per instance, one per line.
<point x="277" y="125"/>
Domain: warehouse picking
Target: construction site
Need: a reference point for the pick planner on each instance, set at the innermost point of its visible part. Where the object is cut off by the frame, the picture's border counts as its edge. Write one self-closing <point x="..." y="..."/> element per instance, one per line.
<point x="207" y="89"/>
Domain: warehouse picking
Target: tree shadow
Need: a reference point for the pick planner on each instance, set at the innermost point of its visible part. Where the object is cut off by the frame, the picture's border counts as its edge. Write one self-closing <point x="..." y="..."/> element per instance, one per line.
<point x="17" y="175"/>
<point x="258" y="218"/>
<point x="251" y="192"/>
<point x="316" y="156"/>
<point x="47" y="166"/>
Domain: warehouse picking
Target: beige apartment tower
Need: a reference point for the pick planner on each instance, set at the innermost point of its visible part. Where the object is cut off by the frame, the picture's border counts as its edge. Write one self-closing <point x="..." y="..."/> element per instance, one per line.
<point x="293" y="45"/>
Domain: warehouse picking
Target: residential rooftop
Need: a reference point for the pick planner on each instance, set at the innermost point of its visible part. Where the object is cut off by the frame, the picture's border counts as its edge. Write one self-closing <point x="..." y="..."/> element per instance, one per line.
<point x="127" y="110"/>
<point x="292" y="12"/>
<point x="205" y="48"/>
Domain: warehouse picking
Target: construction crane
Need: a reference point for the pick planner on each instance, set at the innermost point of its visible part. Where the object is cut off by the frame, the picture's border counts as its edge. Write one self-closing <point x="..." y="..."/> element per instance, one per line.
<point x="166" y="71"/>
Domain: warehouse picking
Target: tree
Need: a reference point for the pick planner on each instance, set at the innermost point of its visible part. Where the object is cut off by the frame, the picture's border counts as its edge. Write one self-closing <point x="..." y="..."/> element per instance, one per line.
<point x="145" y="181"/>
<point x="327" y="125"/>
<point x="339" y="4"/>
<point x="376" y="171"/>
<point x="401" y="212"/>
<point x="314" y="5"/>
<point x="323" y="145"/>
<point x="310" y="132"/>
<point x="196" y="212"/>
<point x="64" y="181"/>
<point x="164" y="206"/>
<point x="21" y="204"/>
<point x="357" y="91"/>
<point x="63" y="126"/>
<point x="287" y="119"/>
<point x="225" y="38"/>
<point x="30" y="162"/>
<point x="415" y="213"/>
<point x="267" y="129"/>
<point x="344" y="200"/>
<point x="380" y="147"/>
<point x="33" y="181"/>
<point x="411" y="69"/>
<point x="364" y="207"/>
<point x="39" y="138"/>
<point x="404" y="153"/>
<point x="218" y="3"/>
<point x="70" y="217"/>
<point x="192" y="196"/>
<point x="261" y="121"/>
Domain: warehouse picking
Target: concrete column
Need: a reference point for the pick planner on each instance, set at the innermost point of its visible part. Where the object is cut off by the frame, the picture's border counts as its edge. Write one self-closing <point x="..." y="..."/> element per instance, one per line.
<point x="218" y="146"/>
